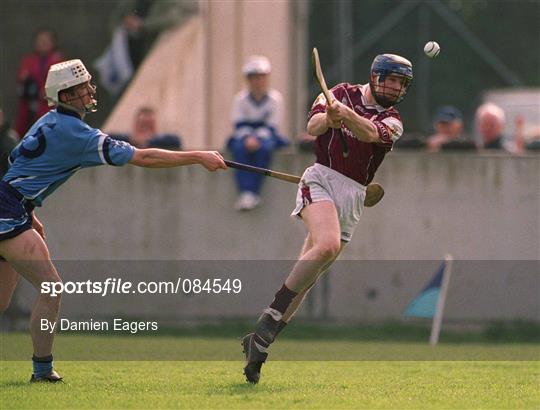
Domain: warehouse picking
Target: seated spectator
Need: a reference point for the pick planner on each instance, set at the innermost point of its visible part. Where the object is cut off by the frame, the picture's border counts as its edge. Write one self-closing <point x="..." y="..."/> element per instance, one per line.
<point x="532" y="139"/>
<point x="8" y="140"/>
<point x="257" y="113"/>
<point x="145" y="132"/>
<point x="490" y="121"/>
<point x="448" y="125"/>
<point x="411" y="140"/>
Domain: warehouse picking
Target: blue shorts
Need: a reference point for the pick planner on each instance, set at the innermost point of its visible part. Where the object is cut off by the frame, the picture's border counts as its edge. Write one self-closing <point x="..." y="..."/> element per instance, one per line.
<point x="15" y="212"/>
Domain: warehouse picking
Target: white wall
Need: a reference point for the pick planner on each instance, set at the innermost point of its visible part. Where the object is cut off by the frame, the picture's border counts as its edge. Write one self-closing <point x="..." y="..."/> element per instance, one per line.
<point x="482" y="209"/>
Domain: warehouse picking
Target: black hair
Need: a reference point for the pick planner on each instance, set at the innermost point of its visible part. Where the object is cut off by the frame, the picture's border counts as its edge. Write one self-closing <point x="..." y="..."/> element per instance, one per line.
<point x="48" y="30"/>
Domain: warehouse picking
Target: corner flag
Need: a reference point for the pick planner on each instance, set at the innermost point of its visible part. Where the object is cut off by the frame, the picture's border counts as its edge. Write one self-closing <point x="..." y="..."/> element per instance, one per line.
<point x="430" y="301"/>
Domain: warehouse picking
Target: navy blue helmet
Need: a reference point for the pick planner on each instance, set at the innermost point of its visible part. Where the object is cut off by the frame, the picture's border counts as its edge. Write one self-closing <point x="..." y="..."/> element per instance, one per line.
<point x="400" y="69"/>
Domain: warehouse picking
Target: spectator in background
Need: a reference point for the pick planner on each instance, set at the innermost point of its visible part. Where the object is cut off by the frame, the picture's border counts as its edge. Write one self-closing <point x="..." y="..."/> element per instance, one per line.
<point x="31" y="78"/>
<point x="448" y="125"/>
<point x="8" y="140"/>
<point x="532" y="138"/>
<point x="135" y="25"/>
<point x="256" y="115"/>
<point x="490" y="121"/>
<point x="145" y="132"/>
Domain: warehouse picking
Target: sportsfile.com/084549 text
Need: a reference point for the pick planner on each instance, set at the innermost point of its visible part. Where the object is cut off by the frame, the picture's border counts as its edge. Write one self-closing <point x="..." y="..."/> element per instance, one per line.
<point x="118" y="286"/>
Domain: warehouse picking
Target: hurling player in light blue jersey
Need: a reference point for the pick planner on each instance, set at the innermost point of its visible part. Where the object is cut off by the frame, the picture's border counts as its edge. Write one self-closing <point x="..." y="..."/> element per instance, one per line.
<point x="55" y="147"/>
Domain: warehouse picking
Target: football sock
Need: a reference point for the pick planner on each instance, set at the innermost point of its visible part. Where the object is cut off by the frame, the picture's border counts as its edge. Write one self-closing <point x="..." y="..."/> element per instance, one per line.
<point x="270" y="323"/>
<point x="260" y="343"/>
<point x="42" y="366"/>
<point x="280" y="327"/>
<point x="283" y="299"/>
<point x="268" y="327"/>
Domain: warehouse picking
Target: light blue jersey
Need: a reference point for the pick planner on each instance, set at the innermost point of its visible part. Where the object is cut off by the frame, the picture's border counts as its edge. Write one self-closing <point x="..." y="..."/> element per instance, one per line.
<point x="56" y="146"/>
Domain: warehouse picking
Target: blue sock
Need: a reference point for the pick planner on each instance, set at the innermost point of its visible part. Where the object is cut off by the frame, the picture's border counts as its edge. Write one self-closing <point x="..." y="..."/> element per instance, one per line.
<point x="42" y="365"/>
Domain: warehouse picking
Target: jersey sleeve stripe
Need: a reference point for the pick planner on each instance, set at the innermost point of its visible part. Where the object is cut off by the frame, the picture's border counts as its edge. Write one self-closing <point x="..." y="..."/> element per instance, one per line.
<point x="384" y="135"/>
<point x="106" y="155"/>
<point x="395" y="127"/>
<point x="101" y="142"/>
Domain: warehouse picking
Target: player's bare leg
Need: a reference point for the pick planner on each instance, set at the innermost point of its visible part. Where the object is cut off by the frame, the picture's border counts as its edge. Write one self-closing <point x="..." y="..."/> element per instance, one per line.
<point x="321" y="248"/>
<point x="299" y="299"/>
<point x="322" y="222"/>
<point x="29" y="256"/>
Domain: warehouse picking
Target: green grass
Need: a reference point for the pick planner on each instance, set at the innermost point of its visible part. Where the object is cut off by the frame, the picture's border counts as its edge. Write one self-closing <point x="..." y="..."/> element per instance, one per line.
<point x="324" y="385"/>
<point x="499" y="376"/>
<point x="81" y="346"/>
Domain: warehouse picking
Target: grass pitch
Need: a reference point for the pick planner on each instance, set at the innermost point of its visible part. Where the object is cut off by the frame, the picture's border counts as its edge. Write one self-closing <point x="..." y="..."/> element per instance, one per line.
<point x="323" y="385"/>
<point x="285" y="384"/>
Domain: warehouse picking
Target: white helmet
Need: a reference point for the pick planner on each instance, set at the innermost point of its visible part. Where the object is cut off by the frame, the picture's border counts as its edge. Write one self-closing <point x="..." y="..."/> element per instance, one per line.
<point x="257" y="65"/>
<point x="62" y="76"/>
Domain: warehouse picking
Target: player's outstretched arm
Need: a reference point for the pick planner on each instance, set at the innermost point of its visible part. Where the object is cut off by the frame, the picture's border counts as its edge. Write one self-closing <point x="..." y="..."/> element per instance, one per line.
<point x="160" y="158"/>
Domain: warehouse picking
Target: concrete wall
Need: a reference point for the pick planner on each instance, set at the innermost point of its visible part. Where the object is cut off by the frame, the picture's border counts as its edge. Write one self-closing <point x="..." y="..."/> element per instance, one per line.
<point x="482" y="209"/>
<point x="474" y="207"/>
<point x="352" y="291"/>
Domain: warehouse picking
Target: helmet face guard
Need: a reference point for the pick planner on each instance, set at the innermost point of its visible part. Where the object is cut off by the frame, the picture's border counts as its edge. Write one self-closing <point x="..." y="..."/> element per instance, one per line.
<point x="79" y="94"/>
<point x="390" y="66"/>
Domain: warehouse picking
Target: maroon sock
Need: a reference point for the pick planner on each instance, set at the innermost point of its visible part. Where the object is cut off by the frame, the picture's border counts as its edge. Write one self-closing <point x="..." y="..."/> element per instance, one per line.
<point x="283" y="299"/>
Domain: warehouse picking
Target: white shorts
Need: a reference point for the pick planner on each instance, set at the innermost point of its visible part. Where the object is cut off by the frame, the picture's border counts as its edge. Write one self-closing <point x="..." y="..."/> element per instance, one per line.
<point x="320" y="183"/>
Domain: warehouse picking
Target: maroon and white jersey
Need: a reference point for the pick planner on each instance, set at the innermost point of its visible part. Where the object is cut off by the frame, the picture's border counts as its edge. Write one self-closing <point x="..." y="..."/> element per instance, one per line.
<point x="364" y="158"/>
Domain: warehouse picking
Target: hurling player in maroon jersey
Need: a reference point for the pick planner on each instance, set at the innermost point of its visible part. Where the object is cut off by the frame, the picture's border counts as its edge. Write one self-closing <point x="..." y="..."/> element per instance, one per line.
<point x="331" y="194"/>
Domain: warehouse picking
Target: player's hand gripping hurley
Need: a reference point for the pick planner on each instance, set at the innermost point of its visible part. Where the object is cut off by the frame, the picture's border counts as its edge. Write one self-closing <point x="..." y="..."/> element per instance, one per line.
<point x="327" y="94"/>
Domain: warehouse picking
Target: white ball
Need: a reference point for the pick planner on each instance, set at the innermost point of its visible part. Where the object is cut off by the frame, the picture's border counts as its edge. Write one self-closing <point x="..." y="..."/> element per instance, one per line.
<point x="432" y="49"/>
